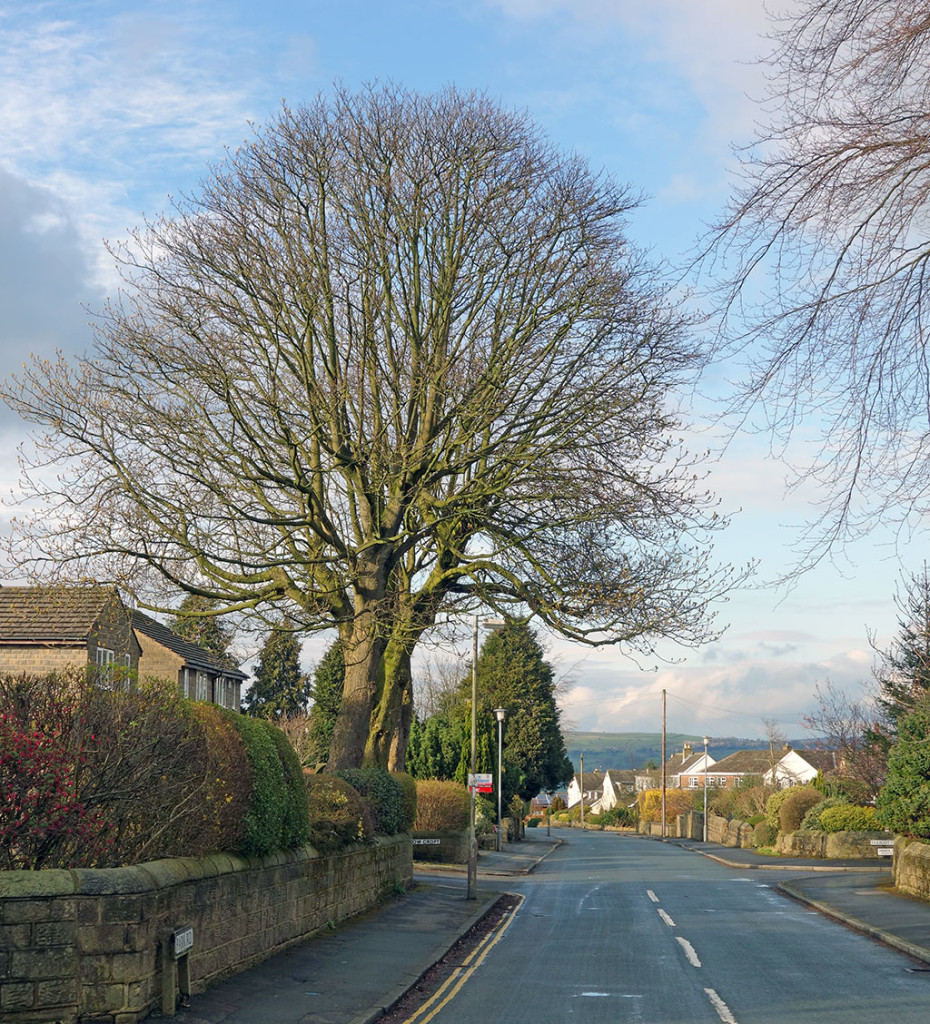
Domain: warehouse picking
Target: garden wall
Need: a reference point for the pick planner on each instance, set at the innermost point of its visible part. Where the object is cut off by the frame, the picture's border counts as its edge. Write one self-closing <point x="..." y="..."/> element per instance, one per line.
<point x="730" y="832"/>
<point x="829" y="845"/>
<point x="912" y="867"/>
<point x="88" y="944"/>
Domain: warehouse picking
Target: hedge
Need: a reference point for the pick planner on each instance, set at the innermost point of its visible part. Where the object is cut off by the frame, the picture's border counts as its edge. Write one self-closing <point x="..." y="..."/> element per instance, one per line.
<point x="384" y="796"/>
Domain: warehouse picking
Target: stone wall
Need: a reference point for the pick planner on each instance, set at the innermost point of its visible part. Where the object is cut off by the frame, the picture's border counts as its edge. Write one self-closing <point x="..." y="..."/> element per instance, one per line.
<point x="730" y="832"/>
<point x="829" y="845"/>
<point x="441" y="845"/>
<point x="912" y="867"/>
<point x="88" y="944"/>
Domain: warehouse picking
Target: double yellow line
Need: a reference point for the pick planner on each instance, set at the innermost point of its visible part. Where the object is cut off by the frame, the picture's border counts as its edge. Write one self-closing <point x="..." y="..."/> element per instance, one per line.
<point x="450" y="988"/>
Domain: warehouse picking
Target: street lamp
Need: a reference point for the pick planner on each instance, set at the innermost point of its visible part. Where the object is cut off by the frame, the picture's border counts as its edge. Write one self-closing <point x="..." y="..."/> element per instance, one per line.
<point x="501" y="714"/>
<point x="705" y="789"/>
<point x="471" y="891"/>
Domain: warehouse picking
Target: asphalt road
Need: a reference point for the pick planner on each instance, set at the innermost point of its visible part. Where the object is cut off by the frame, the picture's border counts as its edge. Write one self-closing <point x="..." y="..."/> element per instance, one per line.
<point x="633" y="930"/>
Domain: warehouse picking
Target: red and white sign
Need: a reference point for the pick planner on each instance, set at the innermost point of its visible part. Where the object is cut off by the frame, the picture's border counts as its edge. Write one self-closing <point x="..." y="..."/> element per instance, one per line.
<point x="480" y="782"/>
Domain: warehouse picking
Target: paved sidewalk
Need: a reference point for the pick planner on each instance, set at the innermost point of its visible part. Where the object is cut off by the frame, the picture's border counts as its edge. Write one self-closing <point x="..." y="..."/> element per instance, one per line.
<point x="354" y="973"/>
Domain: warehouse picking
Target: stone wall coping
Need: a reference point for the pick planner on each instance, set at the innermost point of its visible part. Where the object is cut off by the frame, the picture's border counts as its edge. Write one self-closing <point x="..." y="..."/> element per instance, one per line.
<point x="150" y="876"/>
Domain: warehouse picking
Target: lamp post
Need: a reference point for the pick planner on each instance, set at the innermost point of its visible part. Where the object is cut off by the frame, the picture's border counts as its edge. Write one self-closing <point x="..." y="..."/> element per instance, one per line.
<point x="705" y="789"/>
<point x="501" y="714"/>
<point x="471" y="890"/>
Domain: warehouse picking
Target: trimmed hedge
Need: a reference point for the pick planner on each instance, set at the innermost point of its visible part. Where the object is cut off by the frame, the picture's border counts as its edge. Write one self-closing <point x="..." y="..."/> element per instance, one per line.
<point x="811" y="821"/>
<point x="849" y="818"/>
<point x="408" y="790"/>
<point x="264" y="823"/>
<point x="337" y="814"/>
<point x="384" y="796"/>
<point x="295" y="828"/>
<point x="441" y="806"/>
<point x="796" y="807"/>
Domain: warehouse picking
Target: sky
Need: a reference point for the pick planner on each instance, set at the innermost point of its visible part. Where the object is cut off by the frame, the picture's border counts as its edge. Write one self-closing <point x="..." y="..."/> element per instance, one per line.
<point x="108" y="109"/>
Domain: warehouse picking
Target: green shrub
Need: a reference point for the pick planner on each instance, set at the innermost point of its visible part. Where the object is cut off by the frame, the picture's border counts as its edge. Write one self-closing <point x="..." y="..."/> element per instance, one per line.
<point x="624" y="817"/>
<point x="533" y="822"/>
<point x="774" y="802"/>
<point x="441" y="805"/>
<point x="796" y="806"/>
<point x="265" y="821"/>
<point x="408" y="789"/>
<point x="848" y="818"/>
<point x="227" y="791"/>
<point x="811" y="822"/>
<point x="295" y="824"/>
<point x="383" y="794"/>
<point x="764" y="833"/>
<point x="337" y="814"/>
<point x="904" y="802"/>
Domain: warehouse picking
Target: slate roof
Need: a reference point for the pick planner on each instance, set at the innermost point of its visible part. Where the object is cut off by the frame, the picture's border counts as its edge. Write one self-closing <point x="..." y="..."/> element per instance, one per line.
<point x="745" y="762"/>
<point x="194" y="655"/>
<point x="621" y="776"/>
<point x="823" y="760"/>
<point x="52" y="614"/>
<point x="593" y="781"/>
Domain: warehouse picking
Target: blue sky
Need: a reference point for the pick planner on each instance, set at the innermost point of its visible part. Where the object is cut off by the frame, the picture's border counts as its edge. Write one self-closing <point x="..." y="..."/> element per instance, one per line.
<point x="107" y="109"/>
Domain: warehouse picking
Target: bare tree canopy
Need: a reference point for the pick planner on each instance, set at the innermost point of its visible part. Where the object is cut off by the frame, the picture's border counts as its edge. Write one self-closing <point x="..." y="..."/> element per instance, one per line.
<point x="397" y="353"/>
<point x="825" y="252"/>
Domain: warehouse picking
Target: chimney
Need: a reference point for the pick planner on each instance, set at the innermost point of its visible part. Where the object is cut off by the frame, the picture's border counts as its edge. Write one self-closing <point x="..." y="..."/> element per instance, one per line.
<point x="685" y="751"/>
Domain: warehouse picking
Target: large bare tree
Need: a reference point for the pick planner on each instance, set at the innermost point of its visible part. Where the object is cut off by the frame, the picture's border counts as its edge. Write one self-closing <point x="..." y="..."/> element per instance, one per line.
<point x="395" y="354"/>
<point x="825" y="252"/>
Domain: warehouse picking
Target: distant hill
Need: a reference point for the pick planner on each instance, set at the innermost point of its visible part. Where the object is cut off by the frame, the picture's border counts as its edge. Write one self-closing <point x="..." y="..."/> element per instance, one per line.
<point x="617" y="750"/>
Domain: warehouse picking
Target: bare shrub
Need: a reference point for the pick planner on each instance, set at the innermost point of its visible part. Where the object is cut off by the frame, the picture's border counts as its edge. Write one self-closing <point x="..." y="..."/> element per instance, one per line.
<point x="441" y="805"/>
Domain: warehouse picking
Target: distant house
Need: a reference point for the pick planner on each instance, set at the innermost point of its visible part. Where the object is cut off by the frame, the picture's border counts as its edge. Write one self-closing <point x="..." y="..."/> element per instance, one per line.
<point x="592" y="787"/>
<point x="45" y="629"/>
<point x="199" y="674"/>
<point x="617" y="790"/>
<point x="680" y="770"/>
<point x="800" y="766"/>
<point x="736" y="768"/>
<point x="784" y="767"/>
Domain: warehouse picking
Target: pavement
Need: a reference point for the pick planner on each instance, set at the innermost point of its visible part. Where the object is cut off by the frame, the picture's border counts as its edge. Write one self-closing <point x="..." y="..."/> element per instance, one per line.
<point x="358" y="971"/>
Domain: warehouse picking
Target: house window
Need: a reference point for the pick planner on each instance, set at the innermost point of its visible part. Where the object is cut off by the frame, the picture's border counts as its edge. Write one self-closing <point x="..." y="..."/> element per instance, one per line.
<point x="104" y="659"/>
<point x="203" y="686"/>
<point x="694" y="782"/>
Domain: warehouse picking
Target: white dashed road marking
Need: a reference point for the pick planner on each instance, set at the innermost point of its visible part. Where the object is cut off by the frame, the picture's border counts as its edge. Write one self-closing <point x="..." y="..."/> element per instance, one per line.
<point x="723" y="1011"/>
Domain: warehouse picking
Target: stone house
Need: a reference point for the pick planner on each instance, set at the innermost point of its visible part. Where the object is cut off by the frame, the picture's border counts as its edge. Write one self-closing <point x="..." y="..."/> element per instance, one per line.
<point x="199" y="674"/>
<point x="45" y="629"/>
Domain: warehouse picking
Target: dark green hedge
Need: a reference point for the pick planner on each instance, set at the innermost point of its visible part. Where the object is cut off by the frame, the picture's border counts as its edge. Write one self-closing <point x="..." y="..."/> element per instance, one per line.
<point x="264" y="823"/>
<point x="383" y="794"/>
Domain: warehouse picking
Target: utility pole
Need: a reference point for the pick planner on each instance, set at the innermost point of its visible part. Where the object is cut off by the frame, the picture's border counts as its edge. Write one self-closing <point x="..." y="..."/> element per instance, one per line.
<point x="663" y="764"/>
<point x="471" y="892"/>
<point x="582" y="790"/>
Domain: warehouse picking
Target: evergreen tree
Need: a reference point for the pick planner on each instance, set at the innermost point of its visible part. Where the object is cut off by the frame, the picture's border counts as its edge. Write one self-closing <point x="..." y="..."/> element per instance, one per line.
<point x="903" y="673"/>
<point x="194" y="622"/>
<point x="280" y="689"/>
<point x="326" y="694"/>
<point x="513" y="674"/>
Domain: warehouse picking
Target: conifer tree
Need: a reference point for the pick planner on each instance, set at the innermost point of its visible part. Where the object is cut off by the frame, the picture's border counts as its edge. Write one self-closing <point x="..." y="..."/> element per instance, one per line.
<point x="326" y="694"/>
<point x="903" y="672"/>
<point x="194" y="622"/>
<point x="280" y="689"/>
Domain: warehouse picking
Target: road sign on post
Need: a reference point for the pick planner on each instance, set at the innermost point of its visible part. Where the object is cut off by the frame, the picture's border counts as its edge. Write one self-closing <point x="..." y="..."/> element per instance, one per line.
<point x="481" y="782"/>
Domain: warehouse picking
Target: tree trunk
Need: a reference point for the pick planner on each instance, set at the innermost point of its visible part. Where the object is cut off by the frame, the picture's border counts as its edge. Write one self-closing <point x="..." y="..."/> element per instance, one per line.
<point x="393" y="711"/>
<point x="363" y="657"/>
